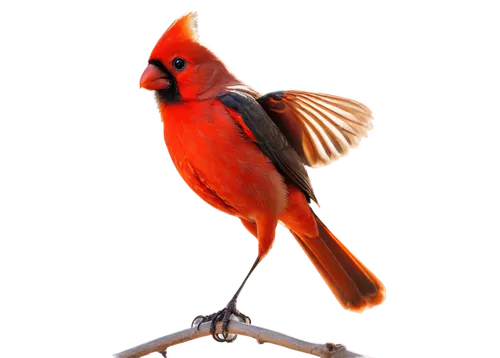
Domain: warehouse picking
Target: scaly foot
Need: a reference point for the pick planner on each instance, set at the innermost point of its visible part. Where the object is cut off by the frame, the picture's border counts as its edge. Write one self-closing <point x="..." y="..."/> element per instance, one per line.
<point x="225" y="315"/>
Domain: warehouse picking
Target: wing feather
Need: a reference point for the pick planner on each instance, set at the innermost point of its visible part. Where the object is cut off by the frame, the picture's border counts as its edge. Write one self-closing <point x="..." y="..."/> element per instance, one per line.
<point x="261" y="129"/>
<point x="320" y="127"/>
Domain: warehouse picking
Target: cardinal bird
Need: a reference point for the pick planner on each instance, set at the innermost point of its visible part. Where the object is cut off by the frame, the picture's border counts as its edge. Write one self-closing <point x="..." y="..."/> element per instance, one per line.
<point x="245" y="154"/>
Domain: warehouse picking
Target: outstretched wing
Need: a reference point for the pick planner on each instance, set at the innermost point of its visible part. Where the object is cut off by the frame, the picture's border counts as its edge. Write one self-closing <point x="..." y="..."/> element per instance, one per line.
<point x="256" y="123"/>
<point x="320" y="127"/>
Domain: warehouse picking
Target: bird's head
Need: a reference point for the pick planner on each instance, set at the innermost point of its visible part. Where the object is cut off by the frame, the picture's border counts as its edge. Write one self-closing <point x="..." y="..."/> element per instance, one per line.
<point x="182" y="69"/>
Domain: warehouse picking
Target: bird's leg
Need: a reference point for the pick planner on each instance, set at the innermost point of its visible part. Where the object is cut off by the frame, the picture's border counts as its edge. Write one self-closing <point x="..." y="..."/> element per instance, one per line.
<point x="231" y="308"/>
<point x="265" y="226"/>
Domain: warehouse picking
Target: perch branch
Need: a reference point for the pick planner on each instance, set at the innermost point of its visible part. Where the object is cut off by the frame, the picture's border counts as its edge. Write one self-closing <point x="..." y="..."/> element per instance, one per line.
<point x="262" y="335"/>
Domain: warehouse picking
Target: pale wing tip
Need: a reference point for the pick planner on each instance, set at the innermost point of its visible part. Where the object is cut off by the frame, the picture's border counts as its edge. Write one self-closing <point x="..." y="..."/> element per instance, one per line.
<point x="365" y="123"/>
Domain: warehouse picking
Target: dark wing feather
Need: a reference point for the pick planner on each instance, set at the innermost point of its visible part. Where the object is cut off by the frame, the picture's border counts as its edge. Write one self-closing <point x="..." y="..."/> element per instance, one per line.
<point x="320" y="127"/>
<point x="269" y="138"/>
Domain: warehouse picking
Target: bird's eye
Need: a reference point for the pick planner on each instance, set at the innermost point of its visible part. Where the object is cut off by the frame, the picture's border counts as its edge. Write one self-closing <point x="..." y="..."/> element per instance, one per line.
<point x="179" y="63"/>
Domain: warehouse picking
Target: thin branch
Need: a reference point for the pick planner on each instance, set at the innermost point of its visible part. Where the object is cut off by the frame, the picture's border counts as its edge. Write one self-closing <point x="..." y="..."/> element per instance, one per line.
<point x="262" y="335"/>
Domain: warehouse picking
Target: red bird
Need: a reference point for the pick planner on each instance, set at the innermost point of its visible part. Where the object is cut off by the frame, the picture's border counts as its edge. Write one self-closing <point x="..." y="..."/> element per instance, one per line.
<point x="245" y="154"/>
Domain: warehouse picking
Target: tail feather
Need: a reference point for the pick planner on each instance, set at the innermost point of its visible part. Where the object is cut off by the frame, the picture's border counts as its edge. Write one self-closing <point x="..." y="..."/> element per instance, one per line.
<point x="354" y="286"/>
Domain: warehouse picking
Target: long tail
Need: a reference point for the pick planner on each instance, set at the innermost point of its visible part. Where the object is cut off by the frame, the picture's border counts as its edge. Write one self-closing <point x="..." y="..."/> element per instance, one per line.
<point x="354" y="286"/>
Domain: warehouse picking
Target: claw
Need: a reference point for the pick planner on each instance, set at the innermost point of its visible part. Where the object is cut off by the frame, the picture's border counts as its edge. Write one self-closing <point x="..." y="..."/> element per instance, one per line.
<point x="197" y="321"/>
<point x="227" y="314"/>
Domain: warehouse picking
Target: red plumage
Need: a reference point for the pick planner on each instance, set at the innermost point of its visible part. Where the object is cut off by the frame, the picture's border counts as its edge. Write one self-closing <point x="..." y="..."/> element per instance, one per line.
<point x="245" y="154"/>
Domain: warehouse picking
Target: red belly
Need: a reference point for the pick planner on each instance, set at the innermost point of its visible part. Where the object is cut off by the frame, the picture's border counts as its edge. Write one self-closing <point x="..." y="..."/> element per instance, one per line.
<point x="219" y="162"/>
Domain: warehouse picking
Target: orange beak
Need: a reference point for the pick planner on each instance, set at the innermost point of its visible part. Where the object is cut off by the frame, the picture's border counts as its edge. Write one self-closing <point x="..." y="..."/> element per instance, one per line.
<point x="154" y="79"/>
